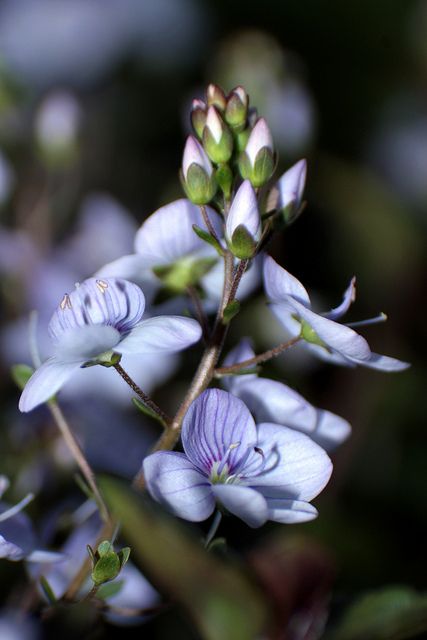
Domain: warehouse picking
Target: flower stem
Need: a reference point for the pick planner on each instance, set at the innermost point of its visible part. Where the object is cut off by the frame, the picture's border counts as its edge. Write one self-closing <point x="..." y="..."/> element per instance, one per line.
<point x="78" y="456"/>
<point x="208" y="223"/>
<point x="145" y="399"/>
<point x="213" y="528"/>
<point x="262" y="357"/>
<point x="206" y="368"/>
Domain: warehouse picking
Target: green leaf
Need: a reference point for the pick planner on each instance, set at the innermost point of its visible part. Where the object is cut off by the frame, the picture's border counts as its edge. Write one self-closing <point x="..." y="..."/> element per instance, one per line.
<point x="110" y="589"/>
<point x="21" y="373"/>
<point x="230" y="311"/>
<point x="147" y="411"/>
<point x="394" y="613"/>
<point x="242" y="243"/>
<point x="220" y="599"/>
<point x="124" y="556"/>
<point x="107" y="568"/>
<point x="207" y="237"/>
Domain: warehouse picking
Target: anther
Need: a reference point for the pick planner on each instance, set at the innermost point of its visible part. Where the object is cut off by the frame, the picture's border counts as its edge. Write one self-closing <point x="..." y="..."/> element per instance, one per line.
<point x="65" y="302"/>
<point x="102" y="285"/>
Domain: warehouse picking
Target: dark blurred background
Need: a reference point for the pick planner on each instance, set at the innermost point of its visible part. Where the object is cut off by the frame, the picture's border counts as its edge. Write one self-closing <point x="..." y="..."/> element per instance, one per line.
<point x="94" y="100"/>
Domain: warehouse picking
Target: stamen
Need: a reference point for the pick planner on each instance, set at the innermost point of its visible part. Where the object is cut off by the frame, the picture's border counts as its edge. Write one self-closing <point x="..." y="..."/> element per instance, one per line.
<point x="102" y="285"/>
<point x="17" y="508"/>
<point x="381" y="317"/>
<point x="65" y="302"/>
<point x="225" y="457"/>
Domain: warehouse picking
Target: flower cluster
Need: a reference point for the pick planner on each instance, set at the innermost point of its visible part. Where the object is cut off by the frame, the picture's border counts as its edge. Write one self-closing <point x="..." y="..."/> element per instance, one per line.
<point x="255" y="449"/>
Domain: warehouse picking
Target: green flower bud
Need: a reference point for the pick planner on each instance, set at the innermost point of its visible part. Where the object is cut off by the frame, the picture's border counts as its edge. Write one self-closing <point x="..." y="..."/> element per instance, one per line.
<point x="198" y="117"/>
<point x="237" y="108"/>
<point x="198" y="177"/>
<point x="257" y="161"/>
<point x="217" y="138"/>
<point x="215" y="97"/>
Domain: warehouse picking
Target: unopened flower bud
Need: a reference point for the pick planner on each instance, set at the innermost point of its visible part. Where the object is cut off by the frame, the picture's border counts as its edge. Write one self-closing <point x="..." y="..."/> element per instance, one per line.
<point x="57" y="126"/>
<point x="198" y="116"/>
<point x="290" y="190"/>
<point x="215" y="97"/>
<point x="256" y="162"/>
<point x="243" y="225"/>
<point x="197" y="173"/>
<point x="237" y="108"/>
<point x="217" y="138"/>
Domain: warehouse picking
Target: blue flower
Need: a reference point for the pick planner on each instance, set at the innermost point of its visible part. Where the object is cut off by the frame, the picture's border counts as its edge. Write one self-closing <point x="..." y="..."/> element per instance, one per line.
<point x="17" y="537"/>
<point x="102" y="316"/>
<point x="322" y="335"/>
<point x="256" y="472"/>
<point x="271" y="400"/>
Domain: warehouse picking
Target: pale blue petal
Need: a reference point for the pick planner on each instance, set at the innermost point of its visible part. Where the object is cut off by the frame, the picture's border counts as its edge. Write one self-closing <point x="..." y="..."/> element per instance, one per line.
<point x="295" y="466"/>
<point x="167" y="235"/>
<point x="9" y="550"/>
<point x="135" y="268"/>
<point x="244" y="211"/>
<point x="173" y="481"/>
<point x="291" y="185"/>
<point x="243" y="351"/>
<point x="290" y="511"/>
<point x="45" y="557"/>
<point x="84" y="343"/>
<point x="383" y="363"/>
<point x="243" y="502"/>
<point x="348" y="298"/>
<point x="285" y="314"/>
<point x="336" y="336"/>
<point x="272" y="401"/>
<point x="162" y="334"/>
<point x="330" y="430"/>
<point x="110" y="301"/>
<point x="217" y="425"/>
<point x="45" y="382"/>
<point x="280" y="284"/>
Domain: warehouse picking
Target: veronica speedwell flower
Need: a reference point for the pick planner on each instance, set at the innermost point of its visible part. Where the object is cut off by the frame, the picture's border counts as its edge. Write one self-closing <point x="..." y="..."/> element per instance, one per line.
<point x="321" y="334"/>
<point x="256" y="472"/>
<point x="102" y="317"/>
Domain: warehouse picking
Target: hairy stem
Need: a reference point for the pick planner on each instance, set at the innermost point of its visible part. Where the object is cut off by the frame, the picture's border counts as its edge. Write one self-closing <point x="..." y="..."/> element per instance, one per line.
<point x="78" y="456"/>
<point x="145" y="399"/>
<point x="208" y="223"/>
<point x="262" y="357"/>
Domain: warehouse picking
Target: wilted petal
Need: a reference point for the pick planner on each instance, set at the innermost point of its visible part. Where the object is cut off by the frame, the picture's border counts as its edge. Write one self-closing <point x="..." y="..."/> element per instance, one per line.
<point x="279" y="284"/>
<point x="348" y="298"/>
<point x="167" y="235"/>
<point x="173" y="481"/>
<point x="45" y="382"/>
<point x="216" y="427"/>
<point x="291" y="185"/>
<point x="243" y="502"/>
<point x="244" y="211"/>
<point x="290" y="511"/>
<point x="162" y="334"/>
<point x="296" y="467"/>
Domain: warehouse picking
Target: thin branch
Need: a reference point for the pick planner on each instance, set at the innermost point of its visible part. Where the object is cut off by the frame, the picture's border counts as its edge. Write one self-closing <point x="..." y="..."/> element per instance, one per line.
<point x="78" y="456"/>
<point x="208" y="223"/>
<point x="200" y="312"/>
<point x="145" y="399"/>
<point x="262" y="357"/>
<point x="240" y="270"/>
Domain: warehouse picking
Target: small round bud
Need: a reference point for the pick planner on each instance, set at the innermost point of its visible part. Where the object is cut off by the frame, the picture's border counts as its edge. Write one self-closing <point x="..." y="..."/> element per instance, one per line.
<point x="215" y="97"/>
<point x="237" y="108"/>
<point x="217" y="138"/>
<point x="197" y="173"/>
<point x="256" y="162"/>
<point x="198" y="117"/>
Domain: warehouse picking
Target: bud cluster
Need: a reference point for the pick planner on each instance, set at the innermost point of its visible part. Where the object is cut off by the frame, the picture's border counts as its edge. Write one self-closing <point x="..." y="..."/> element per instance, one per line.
<point x="232" y="154"/>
